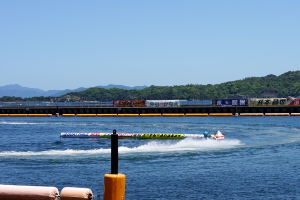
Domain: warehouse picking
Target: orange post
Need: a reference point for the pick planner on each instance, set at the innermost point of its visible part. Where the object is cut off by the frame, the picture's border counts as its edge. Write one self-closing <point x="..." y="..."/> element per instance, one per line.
<point x="114" y="183"/>
<point x="114" y="186"/>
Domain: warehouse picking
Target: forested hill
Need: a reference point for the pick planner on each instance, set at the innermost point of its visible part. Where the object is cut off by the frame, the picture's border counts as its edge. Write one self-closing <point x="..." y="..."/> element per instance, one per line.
<point x="287" y="84"/>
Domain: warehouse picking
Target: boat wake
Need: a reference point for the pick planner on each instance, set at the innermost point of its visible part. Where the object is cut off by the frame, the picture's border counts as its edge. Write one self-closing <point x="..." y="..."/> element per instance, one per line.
<point x="153" y="146"/>
<point x="182" y="145"/>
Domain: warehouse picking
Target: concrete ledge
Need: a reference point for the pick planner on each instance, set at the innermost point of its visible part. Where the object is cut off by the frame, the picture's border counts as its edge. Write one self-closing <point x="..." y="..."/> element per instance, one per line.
<point x="277" y="114"/>
<point x="220" y="114"/>
<point x="251" y="114"/>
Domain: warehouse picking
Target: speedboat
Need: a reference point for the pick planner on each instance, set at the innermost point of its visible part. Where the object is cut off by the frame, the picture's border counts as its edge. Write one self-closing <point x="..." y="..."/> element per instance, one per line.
<point x="217" y="136"/>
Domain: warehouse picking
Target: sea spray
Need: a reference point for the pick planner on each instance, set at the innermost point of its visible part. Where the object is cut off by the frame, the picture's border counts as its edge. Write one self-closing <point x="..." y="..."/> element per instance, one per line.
<point x="150" y="147"/>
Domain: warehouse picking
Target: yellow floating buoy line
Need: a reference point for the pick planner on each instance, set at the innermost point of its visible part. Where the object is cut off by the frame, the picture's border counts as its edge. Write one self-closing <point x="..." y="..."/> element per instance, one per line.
<point x="150" y="115"/>
<point x="153" y="115"/>
<point x="25" y="115"/>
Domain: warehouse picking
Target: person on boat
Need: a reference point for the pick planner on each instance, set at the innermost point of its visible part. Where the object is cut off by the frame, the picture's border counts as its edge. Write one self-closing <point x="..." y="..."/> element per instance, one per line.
<point x="205" y="133"/>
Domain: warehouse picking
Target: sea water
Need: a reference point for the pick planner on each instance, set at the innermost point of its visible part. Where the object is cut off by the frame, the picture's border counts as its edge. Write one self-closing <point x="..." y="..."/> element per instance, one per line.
<point x="258" y="160"/>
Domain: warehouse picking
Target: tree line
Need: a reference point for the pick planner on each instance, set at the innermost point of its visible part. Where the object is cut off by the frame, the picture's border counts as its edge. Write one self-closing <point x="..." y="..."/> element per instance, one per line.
<point x="287" y="84"/>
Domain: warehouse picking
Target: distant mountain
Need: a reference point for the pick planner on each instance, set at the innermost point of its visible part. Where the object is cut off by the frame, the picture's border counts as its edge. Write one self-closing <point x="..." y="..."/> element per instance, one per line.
<point x="62" y="92"/>
<point x="270" y="86"/>
<point x="25" y="92"/>
<point x="19" y="91"/>
<point x="122" y="87"/>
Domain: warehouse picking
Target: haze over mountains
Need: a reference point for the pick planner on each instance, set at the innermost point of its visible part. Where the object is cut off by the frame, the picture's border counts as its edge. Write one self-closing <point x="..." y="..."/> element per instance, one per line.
<point x="20" y="91"/>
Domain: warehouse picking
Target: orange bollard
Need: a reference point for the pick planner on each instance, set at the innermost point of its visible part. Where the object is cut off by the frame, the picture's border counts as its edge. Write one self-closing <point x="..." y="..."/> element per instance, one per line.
<point x="114" y="186"/>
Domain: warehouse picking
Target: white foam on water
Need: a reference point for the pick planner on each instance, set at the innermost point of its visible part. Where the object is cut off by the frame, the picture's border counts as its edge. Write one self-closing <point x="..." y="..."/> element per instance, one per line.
<point x="182" y="145"/>
<point x="150" y="147"/>
<point x="2" y="122"/>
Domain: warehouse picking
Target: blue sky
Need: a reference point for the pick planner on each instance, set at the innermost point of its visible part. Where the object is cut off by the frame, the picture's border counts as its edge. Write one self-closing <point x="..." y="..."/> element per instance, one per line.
<point x="69" y="44"/>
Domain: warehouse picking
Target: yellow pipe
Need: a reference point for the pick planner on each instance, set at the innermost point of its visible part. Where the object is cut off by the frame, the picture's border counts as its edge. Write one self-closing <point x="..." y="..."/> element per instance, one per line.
<point x="114" y="186"/>
<point x="220" y="114"/>
<point x="39" y="115"/>
<point x="18" y="115"/>
<point x="86" y="115"/>
<point x="196" y="114"/>
<point x="106" y="115"/>
<point x="68" y="115"/>
<point x="4" y="115"/>
<point x="128" y="115"/>
<point x="173" y="114"/>
<point x="150" y="115"/>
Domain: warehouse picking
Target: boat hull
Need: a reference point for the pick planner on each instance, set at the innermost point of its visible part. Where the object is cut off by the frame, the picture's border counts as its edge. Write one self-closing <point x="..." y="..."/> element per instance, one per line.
<point x="137" y="135"/>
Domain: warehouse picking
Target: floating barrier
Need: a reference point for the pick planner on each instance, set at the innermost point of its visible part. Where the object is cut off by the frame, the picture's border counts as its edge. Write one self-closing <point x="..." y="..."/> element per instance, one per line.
<point x="128" y="115"/>
<point x="68" y="115"/>
<point x="153" y="115"/>
<point x="25" y="115"/>
<point x="220" y="114"/>
<point x="196" y="114"/>
<point x="73" y="193"/>
<point x="251" y="114"/>
<point x="39" y="115"/>
<point x="86" y="115"/>
<point x="18" y="115"/>
<point x="106" y="115"/>
<point x="295" y="114"/>
<point x="150" y="115"/>
<point x="277" y="114"/>
<point x="173" y="114"/>
<point x="217" y="136"/>
<point x="18" y="192"/>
